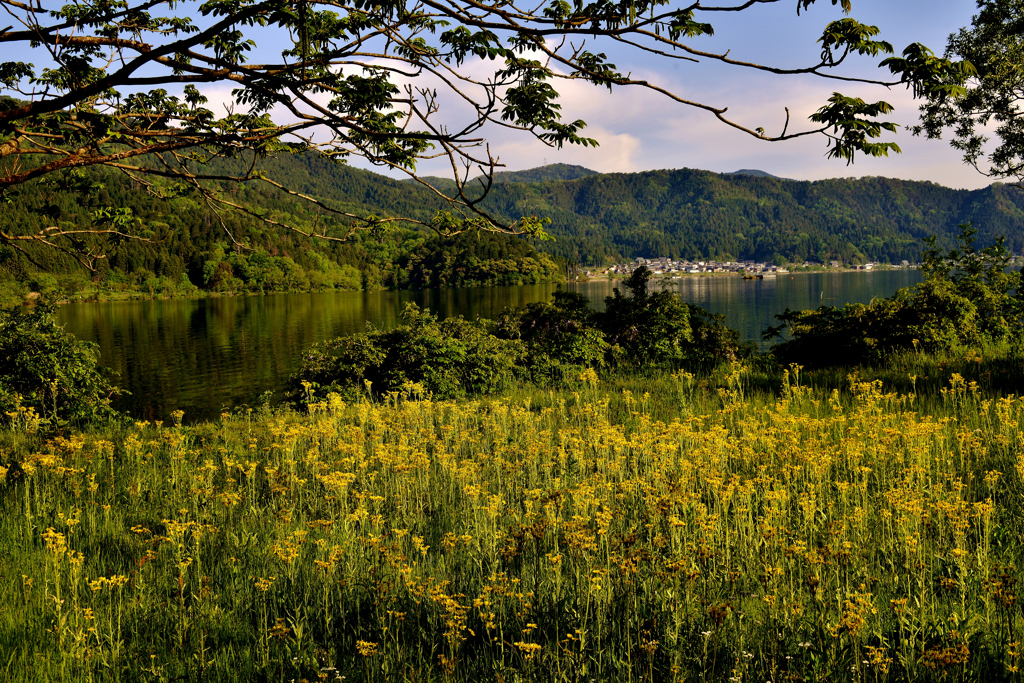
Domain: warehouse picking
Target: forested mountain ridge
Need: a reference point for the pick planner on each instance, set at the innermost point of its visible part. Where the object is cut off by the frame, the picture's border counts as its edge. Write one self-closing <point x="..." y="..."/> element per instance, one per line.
<point x="544" y="174"/>
<point x="541" y="174"/>
<point x="692" y="214"/>
<point x="749" y="214"/>
<point x="596" y="218"/>
<point x="754" y="172"/>
<point x="191" y="249"/>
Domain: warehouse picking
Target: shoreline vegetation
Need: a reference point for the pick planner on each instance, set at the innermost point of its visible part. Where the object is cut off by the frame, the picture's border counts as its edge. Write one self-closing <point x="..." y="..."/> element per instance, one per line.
<point x="192" y="292"/>
<point x="560" y="495"/>
<point x="405" y="260"/>
<point x="684" y="214"/>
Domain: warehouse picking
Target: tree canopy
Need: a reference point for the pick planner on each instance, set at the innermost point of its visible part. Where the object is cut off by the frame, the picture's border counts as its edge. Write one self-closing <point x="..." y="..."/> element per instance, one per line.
<point x="125" y="84"/>
<point x="993" y="99"/>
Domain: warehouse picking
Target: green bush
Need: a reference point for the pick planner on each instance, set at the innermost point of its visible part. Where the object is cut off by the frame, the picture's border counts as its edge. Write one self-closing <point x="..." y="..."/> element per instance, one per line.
<point x="449" y="358"/>
<point x="968" y="299"/>
<point x="560" y="337"/>
<point x="546" y="343"/>
<point x="658" y="329"/>
<point x="48" y="370"/>
<point x="44" y="283"/>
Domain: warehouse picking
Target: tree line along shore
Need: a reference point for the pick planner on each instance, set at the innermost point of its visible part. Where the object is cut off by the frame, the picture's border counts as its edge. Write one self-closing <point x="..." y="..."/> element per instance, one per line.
<point x="686" y="216"/>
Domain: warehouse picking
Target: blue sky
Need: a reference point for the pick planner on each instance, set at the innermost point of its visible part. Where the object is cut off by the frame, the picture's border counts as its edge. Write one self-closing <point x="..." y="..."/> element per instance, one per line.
<point x="641" y="130"/>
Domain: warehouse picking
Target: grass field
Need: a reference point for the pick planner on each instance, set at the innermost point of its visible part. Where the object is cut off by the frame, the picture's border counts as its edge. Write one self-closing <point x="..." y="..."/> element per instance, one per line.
<point x="663" y="529"/>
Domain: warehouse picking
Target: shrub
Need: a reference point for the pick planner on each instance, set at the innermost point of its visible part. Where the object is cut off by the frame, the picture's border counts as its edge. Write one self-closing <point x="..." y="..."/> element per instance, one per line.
<point x="559" y="337"/>
<point x="658" y="329"/>
<point x="968" y="299"/>
<point x="47" y="369"/>
<point x="449" y="358"/>
<point x="44" y="283"/>
<point x="547" y="343"/>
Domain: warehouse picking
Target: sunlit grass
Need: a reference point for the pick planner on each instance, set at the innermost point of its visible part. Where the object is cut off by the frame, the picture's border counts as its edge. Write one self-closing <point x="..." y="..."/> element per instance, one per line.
<point x="650" y="529"/>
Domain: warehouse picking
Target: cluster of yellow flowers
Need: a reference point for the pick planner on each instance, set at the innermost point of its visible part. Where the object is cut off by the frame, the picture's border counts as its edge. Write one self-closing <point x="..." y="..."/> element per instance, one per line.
<point x="566" y="533"/>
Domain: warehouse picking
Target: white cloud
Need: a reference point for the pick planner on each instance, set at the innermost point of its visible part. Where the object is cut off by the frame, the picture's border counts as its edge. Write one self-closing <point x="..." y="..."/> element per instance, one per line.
<point x="665" y="134"/>
<point x="219" y="99"/>
<point x="618" y="152"/>
<point x="639" y="129"/>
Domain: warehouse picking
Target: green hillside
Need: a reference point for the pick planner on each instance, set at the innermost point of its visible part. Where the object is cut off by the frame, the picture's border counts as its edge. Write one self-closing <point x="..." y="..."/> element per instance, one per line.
<point x="754" y="172"/>
<point x="749" y="214"/>
<point x="596" y="218"/>
<point x="697" y="214"/>
<point x="191" y="250"/>
<point x="541" y="174"/>
<point x="545" y="174"/>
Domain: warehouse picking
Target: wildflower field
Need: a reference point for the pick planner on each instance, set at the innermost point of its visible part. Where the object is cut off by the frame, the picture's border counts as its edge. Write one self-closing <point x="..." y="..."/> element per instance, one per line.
<point x="675" y="533"/>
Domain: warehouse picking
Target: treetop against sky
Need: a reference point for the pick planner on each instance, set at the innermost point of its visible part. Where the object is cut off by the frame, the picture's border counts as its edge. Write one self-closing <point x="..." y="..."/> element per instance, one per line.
<point x="458" y="87"/>
<point x="655" y="43"/>
<point x="641" y="131"/>
<point x="644" y="131"/>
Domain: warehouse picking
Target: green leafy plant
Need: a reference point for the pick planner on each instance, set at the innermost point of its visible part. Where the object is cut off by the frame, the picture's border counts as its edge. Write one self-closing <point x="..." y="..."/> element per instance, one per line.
<point x="545" y="343"/>
<point x="968" y="299"/>
<point x="48" y="370"/>
<point x="451" y="357"/>
<point x="984" y="101"/>
<point x="561" y="338"/>
<point x="658" y="329"/>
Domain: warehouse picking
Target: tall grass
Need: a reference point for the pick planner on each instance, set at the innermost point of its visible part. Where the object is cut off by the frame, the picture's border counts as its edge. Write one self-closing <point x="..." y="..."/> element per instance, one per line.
<point x="664" y="529"/>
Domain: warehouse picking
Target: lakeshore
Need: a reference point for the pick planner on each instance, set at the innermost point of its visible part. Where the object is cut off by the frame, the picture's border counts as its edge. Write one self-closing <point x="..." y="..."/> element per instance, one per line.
<point x="206" y="355"/>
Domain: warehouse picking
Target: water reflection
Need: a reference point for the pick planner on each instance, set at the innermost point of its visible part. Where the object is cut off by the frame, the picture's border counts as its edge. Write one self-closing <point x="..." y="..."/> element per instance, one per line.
<point x="750" y="306"/>
<point x="203" y="356"/>
<point x="209" y="354"/>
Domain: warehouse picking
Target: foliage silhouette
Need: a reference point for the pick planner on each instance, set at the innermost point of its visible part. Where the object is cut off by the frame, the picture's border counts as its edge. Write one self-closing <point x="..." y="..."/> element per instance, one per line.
<point x="126" y="85"/>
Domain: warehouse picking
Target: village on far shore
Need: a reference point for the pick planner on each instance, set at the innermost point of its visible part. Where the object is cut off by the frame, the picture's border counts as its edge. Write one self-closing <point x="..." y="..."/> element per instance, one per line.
<point x="664" y="265"/>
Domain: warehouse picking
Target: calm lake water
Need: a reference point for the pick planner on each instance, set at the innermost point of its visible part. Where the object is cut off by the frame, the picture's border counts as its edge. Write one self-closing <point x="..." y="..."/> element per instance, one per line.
<point x="203" y="356"/>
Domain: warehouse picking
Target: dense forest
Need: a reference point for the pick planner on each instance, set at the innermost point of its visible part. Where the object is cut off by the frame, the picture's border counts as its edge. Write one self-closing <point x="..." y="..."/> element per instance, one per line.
<point x="596" y="218"/>
<point x="190" y="245"/>
<point x="697" y="214"/>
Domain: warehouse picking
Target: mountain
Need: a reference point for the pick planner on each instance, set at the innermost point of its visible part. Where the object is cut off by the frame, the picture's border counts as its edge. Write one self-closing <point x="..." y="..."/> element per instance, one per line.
<point x="749" y="214"/>
<point x="541" y="174"/>
<point x="595" y="218"/>
<point x="754" y="172"/>
<point x="544" y="174"/>
<point x="194" y="246"/>
<point x="688" y="213"/>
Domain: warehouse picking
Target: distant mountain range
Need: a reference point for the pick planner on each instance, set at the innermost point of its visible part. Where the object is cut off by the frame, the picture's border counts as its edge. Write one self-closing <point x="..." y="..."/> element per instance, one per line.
<point x="595" y="217"/>
<point x="689" y="213"/>
<point x="563" y="172"/>
<point x="544" y="174"/>
<point x="541" y="174"/>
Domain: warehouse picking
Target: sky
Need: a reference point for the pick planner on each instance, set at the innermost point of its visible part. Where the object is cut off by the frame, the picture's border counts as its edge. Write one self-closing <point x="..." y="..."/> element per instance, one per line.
<point x="641" y="130"/>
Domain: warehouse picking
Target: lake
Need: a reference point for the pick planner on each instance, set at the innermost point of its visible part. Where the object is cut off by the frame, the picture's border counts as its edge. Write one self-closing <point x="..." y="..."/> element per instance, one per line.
<point x="206" y="355"/>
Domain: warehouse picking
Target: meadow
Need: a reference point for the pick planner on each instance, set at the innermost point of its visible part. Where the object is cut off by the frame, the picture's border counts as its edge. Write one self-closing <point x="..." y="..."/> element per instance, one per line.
<point x="667" y="528"/>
